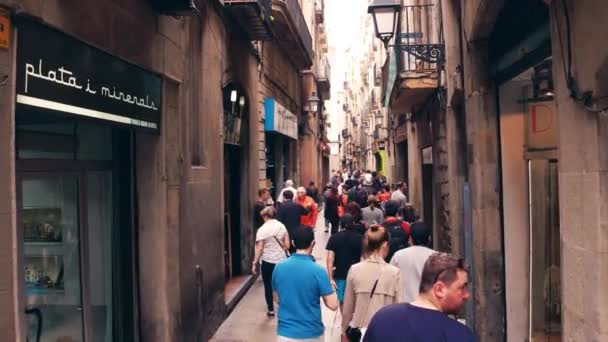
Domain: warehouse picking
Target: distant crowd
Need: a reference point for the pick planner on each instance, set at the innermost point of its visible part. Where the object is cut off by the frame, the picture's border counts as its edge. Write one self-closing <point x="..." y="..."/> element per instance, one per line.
<point x="380" y="271"/>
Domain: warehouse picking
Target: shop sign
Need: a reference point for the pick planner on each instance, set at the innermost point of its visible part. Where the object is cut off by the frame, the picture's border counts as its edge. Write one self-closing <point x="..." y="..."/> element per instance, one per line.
<point x="541" y="126"/>
<point x="381" y="145"/>
<point x="401" y="134"/>
<point x="5" y="32"/>
<point x="57" y="72"/>
<point x="427" y="155"/>
<point x="280" y="120"/>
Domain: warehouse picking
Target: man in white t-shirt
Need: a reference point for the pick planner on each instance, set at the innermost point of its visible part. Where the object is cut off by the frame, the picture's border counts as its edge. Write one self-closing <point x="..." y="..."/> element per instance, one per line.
<point x="411" y="260"/>
<point x="399" y="195"/>
<point x="288" y="186"/>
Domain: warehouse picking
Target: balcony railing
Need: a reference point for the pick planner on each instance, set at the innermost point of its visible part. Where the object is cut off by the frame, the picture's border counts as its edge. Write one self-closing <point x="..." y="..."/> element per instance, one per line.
<point x="253" y="16"/>
<point x="420" y="41"/>
<point x="324" y="77"/>
<point x="292" y="32"/>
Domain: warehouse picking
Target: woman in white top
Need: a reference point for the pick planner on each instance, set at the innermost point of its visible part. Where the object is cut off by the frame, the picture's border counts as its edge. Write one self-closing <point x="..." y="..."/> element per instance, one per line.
<point x="271" y="244"/>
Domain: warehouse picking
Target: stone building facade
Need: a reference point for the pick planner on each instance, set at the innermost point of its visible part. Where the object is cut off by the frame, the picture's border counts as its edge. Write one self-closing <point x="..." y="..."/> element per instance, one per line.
<point x="133" y="149"/>
<point x="516" y="109"/>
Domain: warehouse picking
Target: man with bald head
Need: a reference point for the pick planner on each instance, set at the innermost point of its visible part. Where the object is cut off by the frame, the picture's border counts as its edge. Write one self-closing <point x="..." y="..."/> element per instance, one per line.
<point x="309" y="220"/>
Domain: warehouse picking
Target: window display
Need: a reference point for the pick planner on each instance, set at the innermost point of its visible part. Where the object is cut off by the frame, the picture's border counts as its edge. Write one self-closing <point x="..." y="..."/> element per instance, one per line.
<point x="41" y="225"/>
<point x="43" y="273"/>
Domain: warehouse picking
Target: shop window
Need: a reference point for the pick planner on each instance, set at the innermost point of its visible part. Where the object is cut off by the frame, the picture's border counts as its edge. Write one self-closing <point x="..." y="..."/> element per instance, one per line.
<point x="64" y="139"/>
<point x="94" y="142"/>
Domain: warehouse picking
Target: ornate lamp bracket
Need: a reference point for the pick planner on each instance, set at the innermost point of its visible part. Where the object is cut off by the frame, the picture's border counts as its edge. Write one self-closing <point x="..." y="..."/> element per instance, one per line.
<point x="430" y="53"/>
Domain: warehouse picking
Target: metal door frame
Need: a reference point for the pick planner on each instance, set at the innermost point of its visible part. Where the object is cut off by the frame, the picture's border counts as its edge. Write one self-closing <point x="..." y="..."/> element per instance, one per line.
<point x="44" y="169"/>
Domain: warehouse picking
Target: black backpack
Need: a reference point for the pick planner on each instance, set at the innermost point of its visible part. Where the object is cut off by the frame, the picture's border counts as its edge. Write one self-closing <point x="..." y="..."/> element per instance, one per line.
<point x="398" y="238"/>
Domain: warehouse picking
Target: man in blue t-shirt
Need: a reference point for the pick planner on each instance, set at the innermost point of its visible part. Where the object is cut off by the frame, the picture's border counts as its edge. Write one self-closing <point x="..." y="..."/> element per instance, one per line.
<point x="298" y="284"/>
<point x="443" y="292"/>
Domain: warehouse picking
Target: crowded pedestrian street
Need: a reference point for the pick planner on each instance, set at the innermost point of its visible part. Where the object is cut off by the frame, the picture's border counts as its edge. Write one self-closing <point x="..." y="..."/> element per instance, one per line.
<point x="248" y="320"/>
<point x="303" y="171"/>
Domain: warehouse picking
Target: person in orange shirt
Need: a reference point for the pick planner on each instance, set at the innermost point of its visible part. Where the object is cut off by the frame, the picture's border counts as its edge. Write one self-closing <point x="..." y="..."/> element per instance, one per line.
<point x="385" y="195"/>
<point x="309" y="220"/>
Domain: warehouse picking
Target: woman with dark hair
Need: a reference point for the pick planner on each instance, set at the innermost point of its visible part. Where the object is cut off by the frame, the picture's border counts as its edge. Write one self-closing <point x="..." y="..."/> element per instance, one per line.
<point x="371" y="284"/>
<point x="355" y="210"/>
<point x="331" y="210"/>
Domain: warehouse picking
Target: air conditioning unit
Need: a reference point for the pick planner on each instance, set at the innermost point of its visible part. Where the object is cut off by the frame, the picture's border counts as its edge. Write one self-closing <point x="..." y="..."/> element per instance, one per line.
<point x="175" y="7"/>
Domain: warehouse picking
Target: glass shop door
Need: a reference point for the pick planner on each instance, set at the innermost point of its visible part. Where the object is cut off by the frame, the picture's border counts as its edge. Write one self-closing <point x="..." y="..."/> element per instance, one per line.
<point x="66" y="224"/>
<point x="545" y="252"/>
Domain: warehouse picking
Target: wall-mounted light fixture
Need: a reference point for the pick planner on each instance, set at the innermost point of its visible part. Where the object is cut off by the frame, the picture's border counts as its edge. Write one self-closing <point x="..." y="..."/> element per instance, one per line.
<point x="313" y="102"/>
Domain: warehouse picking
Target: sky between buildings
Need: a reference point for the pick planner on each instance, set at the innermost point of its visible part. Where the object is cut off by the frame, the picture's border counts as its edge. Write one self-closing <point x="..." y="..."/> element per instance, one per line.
<point x="345" y="23"/>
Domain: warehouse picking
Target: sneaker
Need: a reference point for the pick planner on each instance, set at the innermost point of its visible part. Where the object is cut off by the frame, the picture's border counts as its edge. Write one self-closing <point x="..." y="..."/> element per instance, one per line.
<point x="270" y="314"/>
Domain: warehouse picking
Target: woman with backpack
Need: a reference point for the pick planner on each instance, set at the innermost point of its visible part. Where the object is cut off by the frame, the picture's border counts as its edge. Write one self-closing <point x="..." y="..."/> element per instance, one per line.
<point x="397" y="228"/>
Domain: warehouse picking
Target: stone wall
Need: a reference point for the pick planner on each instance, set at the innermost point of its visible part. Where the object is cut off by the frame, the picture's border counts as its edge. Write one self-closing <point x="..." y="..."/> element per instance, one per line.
<point x="10" y="255"/>
<point x="179" y="172"/>
<point x="583" y="171"/>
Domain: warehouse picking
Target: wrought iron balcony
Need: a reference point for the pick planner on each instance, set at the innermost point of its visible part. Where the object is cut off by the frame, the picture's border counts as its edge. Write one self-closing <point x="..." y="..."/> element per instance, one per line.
<point x="324" y="78"/>
<point x="420" y="42"/>
<point x="292" y="33"/>
<point x="420" y="56"/>
<point x="253" y="16"/>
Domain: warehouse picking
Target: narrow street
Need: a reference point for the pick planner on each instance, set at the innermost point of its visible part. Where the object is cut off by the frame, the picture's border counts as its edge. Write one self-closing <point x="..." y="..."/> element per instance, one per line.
<point x="248" y="321"/>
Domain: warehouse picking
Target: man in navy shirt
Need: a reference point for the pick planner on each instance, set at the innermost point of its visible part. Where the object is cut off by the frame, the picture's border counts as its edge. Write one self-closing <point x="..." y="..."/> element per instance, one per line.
<point x="299" y="284"/>
<point x="443" y="292"/>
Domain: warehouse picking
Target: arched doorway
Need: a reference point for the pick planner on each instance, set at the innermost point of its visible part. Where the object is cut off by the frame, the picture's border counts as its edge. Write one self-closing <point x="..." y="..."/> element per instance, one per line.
<point x="236" y="111"/>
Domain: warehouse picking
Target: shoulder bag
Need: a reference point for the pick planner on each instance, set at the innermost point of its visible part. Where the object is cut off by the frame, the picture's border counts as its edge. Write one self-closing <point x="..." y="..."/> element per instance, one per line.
<point x="354" y="333"/>
<point x="282" y="247"/>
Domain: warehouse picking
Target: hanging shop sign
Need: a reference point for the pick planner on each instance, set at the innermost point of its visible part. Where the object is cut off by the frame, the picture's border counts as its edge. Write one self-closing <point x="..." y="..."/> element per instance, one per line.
<point x="59" y="73"/>
<point x="378" y="146"/>
<point x="427" y="155"/>
<point x="280" y="120"/>
<point x="401" y="134"/>
<point x="541" y="126"/>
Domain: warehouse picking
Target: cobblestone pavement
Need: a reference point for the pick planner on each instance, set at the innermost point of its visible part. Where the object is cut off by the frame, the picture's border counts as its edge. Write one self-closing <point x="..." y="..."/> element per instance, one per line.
<point x="248" y="321"/>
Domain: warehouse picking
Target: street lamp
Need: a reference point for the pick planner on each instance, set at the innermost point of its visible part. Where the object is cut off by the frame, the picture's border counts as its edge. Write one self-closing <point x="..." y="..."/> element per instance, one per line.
<point x="385" y="14"/>
<point x="313" y="102"/>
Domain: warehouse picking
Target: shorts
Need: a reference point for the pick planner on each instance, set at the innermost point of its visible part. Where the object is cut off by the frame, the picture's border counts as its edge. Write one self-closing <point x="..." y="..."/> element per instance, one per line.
<point x="287" y="339"/>
<point x="340" y="287"/>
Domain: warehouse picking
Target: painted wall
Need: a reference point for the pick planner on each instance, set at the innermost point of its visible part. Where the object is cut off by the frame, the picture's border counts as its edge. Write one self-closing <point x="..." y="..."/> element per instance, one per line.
<point x="515" y="210"/>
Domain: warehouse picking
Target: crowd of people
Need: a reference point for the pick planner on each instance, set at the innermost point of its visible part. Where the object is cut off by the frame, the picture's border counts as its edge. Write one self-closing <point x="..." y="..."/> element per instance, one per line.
<point x="380" y="272"/>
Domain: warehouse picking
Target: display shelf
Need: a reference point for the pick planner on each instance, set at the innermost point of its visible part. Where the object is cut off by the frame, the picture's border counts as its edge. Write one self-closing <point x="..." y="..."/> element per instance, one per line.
<point x="35" y="291"/>
<point x="43" y="243"/>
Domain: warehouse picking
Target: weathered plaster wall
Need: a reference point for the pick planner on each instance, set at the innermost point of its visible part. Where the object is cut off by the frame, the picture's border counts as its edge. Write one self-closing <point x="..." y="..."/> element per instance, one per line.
<point x="516" y="213"/>
<point x="482" y="138"/>
<point x="451" y="191"/>
<point x="583" y="172"/>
